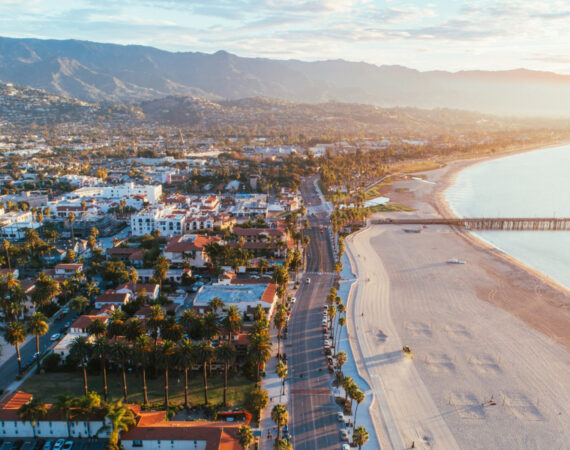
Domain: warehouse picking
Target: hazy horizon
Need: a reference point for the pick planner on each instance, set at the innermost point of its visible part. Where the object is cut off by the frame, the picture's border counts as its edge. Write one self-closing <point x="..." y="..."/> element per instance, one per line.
<point x="444" y="35"/>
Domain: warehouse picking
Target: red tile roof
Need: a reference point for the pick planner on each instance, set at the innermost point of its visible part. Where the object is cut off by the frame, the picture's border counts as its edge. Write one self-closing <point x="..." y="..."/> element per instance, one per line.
<point x="112" y="297"/>
<point x="270" y="293"/>
<point x="82" y="322"/>
<point x="183" y="243"/>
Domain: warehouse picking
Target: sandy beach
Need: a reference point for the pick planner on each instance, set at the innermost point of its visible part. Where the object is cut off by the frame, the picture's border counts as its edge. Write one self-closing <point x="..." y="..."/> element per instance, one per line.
<point x="490" y="339"/>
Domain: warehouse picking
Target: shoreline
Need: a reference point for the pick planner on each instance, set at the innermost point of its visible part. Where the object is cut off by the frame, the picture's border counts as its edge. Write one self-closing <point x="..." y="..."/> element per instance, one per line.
<point x="444" y="209"/>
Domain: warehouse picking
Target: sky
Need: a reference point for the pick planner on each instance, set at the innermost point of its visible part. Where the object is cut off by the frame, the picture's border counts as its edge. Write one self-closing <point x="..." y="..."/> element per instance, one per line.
<point x="448" y="35"/>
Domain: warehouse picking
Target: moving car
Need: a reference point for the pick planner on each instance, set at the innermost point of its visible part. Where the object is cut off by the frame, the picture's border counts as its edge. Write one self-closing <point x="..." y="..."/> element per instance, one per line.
<point x="308" y="281"/>
<point x="55" y="337"/>
<point x="293" y="299"/>
<point x="340" y="416"/>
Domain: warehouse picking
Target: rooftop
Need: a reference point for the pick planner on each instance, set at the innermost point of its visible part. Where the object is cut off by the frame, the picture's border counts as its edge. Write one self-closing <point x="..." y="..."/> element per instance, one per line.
<point x="236" y="293"/>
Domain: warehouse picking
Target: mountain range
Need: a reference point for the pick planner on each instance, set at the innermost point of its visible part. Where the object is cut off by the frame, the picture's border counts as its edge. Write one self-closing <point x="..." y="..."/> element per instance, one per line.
<point x="113" y="73"/>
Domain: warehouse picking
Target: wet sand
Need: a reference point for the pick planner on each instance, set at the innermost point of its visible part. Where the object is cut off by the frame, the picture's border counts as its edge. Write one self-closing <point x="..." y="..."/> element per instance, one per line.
<point x="490" y="339"/>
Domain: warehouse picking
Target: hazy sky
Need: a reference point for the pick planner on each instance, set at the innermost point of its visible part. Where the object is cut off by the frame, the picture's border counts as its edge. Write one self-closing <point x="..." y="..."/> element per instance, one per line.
<point x="447" y="34"/>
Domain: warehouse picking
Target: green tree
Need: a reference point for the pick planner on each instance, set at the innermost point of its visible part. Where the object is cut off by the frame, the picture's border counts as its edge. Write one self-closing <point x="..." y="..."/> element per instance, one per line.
<point x="360" y="436"/>
<point x="245" y="436"/>
<point x="71" y="219"/>
<point x="64" y="404"/>
<point x="121" y="351"/>
<point x="225" y="353"/>
<point x="205" y="354"/>
<point x="282" y="444"/>
<point x="101" y="351"/>
<point x="279" y="322"/>
<point x="166" y="353"/>
<point x="161" y="267"/>
<point x="280" y="416"/>
<point x="15" y="334"/>
<point x="143" y="350"/>
<point x="216" y="304"/>
<point x="81" y="350"/>
<point x="32" y="411"/>
<point x="38" y="326"/>
<point x="340" y="360"/>
<point x="259" y="351"/>
<point x="256" y="400"/>
<point x="232" y="322"/>
<point x="79" y="304"/>
<point x="121" y="418"/>
<point x="46" y="289"/>
<point x="358" y="396"/>
<point x="185" y="361"/>
<point x="281" y="371"/>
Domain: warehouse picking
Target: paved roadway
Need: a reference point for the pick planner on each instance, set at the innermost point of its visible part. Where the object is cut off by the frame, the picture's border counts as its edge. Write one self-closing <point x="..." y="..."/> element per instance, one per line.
<point x="312" y="411"/>
<point x="9" y="369"/>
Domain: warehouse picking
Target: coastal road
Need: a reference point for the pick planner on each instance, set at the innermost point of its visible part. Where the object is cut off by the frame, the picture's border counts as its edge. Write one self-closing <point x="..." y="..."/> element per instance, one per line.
<point x="312" y="412"/>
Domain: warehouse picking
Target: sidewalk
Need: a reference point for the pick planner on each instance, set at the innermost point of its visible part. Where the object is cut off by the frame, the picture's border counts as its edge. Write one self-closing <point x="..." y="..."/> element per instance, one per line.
<point x="272" y="384"/>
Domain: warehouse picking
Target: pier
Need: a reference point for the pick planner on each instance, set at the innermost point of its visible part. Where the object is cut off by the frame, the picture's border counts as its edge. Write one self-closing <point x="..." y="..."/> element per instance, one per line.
<point x="488" y="223"/>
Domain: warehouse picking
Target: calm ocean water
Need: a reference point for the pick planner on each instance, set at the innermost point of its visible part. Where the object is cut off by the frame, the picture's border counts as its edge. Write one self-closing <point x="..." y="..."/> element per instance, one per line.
<point x="534" y="184"/>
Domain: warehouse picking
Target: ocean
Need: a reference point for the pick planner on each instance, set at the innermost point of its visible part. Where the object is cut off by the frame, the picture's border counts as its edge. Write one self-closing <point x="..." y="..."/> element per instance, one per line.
<point x="532" y="184"/>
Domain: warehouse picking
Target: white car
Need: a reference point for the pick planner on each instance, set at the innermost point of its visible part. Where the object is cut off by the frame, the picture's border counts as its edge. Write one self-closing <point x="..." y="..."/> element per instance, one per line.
<point x="346" y="447"/>
<point x="293" y="299"/>
<point x="53" y="338"/>
<point x="59" y="444"/>
<point x="344" y="436"/>
<point x="308" y="280"/>
<point x="340" y="416"/>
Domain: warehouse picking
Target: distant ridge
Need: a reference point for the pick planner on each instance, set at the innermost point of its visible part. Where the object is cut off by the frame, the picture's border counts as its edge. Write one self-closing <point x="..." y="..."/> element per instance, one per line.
<point x="125" y="74"/>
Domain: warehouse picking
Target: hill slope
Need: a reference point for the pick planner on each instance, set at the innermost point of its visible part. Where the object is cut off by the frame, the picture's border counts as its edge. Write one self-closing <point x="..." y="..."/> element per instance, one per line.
<point x="114" y="73"/>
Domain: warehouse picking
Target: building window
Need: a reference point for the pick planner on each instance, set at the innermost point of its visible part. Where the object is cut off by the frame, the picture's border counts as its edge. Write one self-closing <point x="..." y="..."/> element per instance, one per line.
<point x="137" y="443"/>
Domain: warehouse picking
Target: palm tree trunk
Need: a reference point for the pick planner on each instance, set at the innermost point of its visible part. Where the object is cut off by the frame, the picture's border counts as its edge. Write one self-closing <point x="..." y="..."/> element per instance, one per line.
<point x="68" y="427"/>
<point x="186" y="405"/>
<point x="278" y="431"/>
<point x="104" y="374"/>
<point x="124" y="383"/>
<point x="257" y="378"/>
<point x="85" y="379"/>
<point x="38" y="350"/>
<point x="166" y="387"/>
<point x="145" y="393"/>
<point x="19" y="357"/>
<point x="354" y="421"/>
<point x="225" y="382"/>
<point x="205" y="376"/>
<point x="279" y="344"/>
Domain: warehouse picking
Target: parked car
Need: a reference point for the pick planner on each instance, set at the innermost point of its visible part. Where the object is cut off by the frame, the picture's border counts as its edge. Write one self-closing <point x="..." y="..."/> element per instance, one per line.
<point x="55" y="337"/>
<point x="67" y="446"/>
<point x="293" y="299"/>
<point x="59" y="444"/>
<point x="340" y="416"/>
<point x="308" y="280"/>
<point x="344" y="436"/>
<point x="28" y="445"/>
<point x="346" y="447"/>
<point x="48" y="445"/>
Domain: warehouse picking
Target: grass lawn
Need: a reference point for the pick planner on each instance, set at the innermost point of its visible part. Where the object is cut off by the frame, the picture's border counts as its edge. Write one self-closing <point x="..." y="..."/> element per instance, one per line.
<point x="51" y="385"/>
<point x="389" y="207"/>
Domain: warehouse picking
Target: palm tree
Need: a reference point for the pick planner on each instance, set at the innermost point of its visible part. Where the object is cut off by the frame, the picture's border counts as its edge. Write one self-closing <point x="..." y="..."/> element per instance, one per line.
<point x="86" y="406"/>
<point x="280" y="417"/>
<point x="122" y="351"/>
<point x="358" y="396"/>
<point x="263" y="265"/>
<point x="71" y="218"/>
<point x="232" y="322"/>
<point x="15" y="334"/>
<point x="210" y="325"/>
<point x="347" y="382"/>
<point x="282" y="444"/>
<point x="142" y="351"/>
<point x="121" y="418"/>
<point x="259" y="313"/>
<point x="133" y="277"/>
<point x="133" y="329"/>
<point x="82" y="350"/>
<point x="165" y="358"/>
<point x="155" y="320"/>
<point x="38" y="326"/>
<point x="360" y="436"/>
<point x="161" y="267"/>
<point x="205" y="355"/>
<point x="259" y="351"/>
<point x="225" y="353"/>
<point x="97" y="328"/>
<point x="281" y="371"/>
<point x="340" y="360"/>
<point x="79" y="303"/>
<point x="216" y="304"/>
<point x="64" y="405"/>
<point x="279" y="321"/>
<point x="7" y="245"/>
<point x="185" y="361"/>
<point x="32" y="411"/>
<point x="245" y="436"/>
<point x="101" y="349"/>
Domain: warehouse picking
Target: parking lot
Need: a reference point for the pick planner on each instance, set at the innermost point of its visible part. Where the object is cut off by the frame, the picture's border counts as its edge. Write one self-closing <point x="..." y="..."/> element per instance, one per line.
<point x="41" y="444"/>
